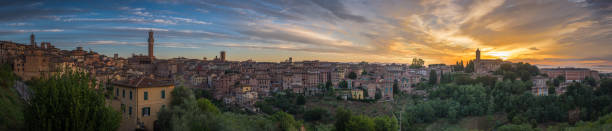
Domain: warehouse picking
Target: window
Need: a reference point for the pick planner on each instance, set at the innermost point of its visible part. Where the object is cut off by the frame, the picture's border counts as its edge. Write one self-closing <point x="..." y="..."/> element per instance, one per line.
<point x="164" y="106"/>
<point x="130" y="111"/>
<point x="130" y="95"/>
<point x="163" y="96"/>
<point x="117" y="92"/>
<point x="123" y="93"/>
<point x="146" y="95"/>
<point x="123" y="107"/>
<point x="146" y="111"/>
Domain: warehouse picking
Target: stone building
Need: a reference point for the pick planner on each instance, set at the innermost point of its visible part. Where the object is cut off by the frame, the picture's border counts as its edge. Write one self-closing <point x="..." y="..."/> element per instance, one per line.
<point x="571" y="74"/>
<point x="483" y="66"/>
<point x="139" y="100"/>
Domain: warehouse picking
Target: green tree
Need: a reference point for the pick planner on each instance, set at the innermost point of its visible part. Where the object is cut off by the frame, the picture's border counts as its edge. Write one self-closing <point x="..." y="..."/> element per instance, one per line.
<point x="385" y="123"/>
<point x="7" y="76"/>
<point x="360" y="123"/>
<point x="417" y="63"/>
<point x="352" y="75"/>
<point x="552" y="91"/>
<point x="433" y="77"/>
<point x="469" y="68"/>
<point x="342" y="118"/>
<point x="315" y="114"/>
<point x="285" y="121"/>
<point x="395" y="87"/>
<point x="68" y="102"/>
<point x="206" y="106"/>
<point x="513" y="127"/>
<point x="590" y="81"/>
<point x="343" y="84"/>
<point x="300" y="100"/>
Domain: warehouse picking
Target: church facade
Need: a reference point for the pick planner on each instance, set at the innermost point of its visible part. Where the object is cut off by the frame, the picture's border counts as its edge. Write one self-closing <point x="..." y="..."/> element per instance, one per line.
<point x="484" y="66"/>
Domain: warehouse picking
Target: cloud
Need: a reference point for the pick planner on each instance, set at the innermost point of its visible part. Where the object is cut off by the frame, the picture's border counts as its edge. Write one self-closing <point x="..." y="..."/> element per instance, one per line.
<point x="106" y="42"/>
<point x="10" y="32"/>
<point x="337" y="8"/>
<point x="18" y="24"/>
<point x="125" y="19"/>
<point x="187" y="20"/>
<point x="136" y="11"/>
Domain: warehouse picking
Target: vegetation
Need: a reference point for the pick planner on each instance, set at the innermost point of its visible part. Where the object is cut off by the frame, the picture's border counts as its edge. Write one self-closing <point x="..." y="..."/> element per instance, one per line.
<point x="345" y="121"/>
<point x="11" y="111"/>
<point x="352" y="75"/>
<point x="68" y="102"/>
<point x="465" y="97"/>
<point x="521" y="70"/>
<point x="417" y="63"/>
<point x="433" y="77"/>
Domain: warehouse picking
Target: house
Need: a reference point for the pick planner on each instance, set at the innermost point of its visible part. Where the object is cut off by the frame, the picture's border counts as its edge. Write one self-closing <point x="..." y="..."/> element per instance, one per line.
<point x="141" y="99"/>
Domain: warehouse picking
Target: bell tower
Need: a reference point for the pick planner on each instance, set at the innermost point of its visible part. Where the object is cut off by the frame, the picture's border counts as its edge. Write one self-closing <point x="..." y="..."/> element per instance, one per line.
<point x="32" y="40"/>
<point x="151" y="41"/>
<point x="477" y="54"/>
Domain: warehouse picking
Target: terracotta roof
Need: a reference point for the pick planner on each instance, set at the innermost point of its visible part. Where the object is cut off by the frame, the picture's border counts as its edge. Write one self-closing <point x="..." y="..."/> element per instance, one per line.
<point x="143" y="82"/>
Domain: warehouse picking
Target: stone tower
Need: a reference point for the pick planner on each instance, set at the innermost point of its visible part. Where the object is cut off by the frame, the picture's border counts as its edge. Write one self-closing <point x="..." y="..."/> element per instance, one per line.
<point x="477" y="54"/>
<point x="477" y="61"/>
<point x="222" y="55"/>
<point x="151" y="40"/>
<point x="32" y="40"/>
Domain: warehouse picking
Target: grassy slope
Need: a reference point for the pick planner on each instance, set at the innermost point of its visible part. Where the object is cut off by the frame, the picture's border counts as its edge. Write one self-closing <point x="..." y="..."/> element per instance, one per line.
<point x="11" y="110"/>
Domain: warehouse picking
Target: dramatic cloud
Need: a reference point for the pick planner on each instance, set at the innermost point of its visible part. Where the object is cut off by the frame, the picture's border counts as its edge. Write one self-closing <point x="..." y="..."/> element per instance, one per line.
<point x="545" y="32"/>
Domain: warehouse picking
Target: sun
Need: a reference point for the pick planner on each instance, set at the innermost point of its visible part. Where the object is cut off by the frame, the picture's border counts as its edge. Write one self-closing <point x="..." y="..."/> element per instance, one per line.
<point x="500" y="54"/>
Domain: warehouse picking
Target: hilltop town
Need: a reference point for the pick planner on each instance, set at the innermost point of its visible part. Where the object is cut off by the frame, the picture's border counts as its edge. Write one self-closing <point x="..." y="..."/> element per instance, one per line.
<point x="242" y="84"/>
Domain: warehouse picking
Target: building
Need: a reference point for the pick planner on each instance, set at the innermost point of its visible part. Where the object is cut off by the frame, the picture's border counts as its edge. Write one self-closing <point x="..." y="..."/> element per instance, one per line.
<point x="222" y="56"/>
<point x="539" y="86"/>
<point x="483" y="66"/>
<point x="571" y="74"/>
<point x="151" y="41"/>
<point x="140" y="100"/>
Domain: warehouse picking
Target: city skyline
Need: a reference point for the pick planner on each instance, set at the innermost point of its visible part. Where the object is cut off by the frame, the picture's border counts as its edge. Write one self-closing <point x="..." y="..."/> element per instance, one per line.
<point x="342" y="31"/>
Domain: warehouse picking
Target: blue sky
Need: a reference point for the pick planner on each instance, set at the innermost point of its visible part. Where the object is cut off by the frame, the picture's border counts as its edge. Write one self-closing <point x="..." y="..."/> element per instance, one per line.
<point x="549" y="33"/>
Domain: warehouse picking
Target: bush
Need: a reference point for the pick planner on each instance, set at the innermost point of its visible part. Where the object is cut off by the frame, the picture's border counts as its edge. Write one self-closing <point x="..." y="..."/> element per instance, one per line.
<point x="315" y="114"/>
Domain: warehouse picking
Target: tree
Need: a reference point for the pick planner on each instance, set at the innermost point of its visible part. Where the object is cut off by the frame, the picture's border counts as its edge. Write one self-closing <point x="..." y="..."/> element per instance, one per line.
<point x="300" y="100"/>
<point x="285" y="121"/>
<point x="552" y="90"/>
<point x="343" y="84"/>
<point x="206" y="106"/>
<point x="352" y="75"/>
<point x="67" y="101"/>
<point x="513" y="127"/>
<point x="590" y="81"/>
<point x="315" y="114"/>
<point x="360" y="123"/>
<point x="385" y="123"/>
<point x="433" y="77"/>
<point x="7" y="75"/>
<point x="364" y="72"/>
<point x="469" y="68"/>
<point x="417" y="63"/>
<point x="378" y="94"/>
<point x="395" y="87"/>
<point x="342" y="118"/>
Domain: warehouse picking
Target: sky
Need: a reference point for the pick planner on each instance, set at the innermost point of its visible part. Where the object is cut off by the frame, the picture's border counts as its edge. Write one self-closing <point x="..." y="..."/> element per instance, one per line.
<point x="548" y="33"/>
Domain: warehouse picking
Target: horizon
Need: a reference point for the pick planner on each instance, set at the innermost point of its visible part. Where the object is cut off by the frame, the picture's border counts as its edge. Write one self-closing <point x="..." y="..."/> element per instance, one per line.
<point x="334" y="31"/>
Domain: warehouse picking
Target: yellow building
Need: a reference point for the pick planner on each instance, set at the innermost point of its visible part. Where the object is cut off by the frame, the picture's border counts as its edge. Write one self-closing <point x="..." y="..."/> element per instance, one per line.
<point x="140" y="100"/>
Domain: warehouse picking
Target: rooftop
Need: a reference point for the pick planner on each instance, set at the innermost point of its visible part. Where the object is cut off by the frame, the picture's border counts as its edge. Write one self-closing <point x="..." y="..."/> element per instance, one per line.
<point x="143" y="82"/>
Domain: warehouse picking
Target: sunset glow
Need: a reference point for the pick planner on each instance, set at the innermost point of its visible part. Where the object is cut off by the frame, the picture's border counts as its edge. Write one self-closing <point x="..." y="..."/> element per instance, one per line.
<point x="546" y="32"/>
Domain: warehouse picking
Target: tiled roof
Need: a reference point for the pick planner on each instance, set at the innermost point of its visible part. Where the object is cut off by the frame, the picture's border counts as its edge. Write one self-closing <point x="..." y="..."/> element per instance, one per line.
<point x="143" y="82"/>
